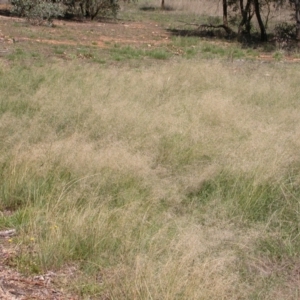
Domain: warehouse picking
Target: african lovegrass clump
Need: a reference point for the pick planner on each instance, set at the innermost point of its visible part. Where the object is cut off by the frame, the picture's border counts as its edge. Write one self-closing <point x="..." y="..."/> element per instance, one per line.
<point x="184" y="186"/>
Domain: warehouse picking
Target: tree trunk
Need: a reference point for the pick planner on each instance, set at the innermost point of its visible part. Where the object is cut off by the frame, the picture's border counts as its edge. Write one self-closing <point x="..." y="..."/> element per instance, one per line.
<point x="297" y="10"/>
<point x="162" y="4"/>
<point x="246" y="16"/>
<point x="225" y="15"/>
<point x="242" y="5"/>
<point x="263" y="33"/>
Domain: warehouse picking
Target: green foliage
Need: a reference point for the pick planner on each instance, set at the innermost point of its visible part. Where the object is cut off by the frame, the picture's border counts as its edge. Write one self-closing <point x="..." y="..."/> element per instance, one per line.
<point x="284" y="33"/>
<point x="92" y="8"/>
<point x="38" y="11"/>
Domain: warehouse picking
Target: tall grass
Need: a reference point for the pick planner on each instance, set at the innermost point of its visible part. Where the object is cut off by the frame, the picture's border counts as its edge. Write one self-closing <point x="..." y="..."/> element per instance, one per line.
<point x="168" y="182"/>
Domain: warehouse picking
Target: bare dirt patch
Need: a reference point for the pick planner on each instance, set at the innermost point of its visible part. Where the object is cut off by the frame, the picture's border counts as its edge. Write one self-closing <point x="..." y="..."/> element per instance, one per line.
<point x="86" y="33"/>
<point x="14" y="285"/>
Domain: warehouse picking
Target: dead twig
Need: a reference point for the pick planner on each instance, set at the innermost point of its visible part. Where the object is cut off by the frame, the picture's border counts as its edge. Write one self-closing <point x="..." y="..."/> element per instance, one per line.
<point x="8" y="233"/>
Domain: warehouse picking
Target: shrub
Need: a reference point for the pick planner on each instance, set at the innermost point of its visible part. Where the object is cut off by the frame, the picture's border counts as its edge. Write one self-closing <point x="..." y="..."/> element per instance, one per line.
<point x="284" y="33"/>
<point x="92" y="8"/>
<point x="38" y="11"/>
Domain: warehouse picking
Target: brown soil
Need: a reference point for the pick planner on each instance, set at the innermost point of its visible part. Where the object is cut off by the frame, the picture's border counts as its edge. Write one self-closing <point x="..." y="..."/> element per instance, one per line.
<point x="105" y="33"/>
<point x="15" y="286"/>
<point x="88" y="33"/>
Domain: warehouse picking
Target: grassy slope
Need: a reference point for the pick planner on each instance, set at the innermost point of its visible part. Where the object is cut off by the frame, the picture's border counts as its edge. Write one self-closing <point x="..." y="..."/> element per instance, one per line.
<point x="169" y="180"/>
<point x="175" y="181"/>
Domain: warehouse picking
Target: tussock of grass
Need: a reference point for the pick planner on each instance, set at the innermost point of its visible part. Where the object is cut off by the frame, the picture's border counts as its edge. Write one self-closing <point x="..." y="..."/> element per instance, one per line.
<point x="165" y="182"/>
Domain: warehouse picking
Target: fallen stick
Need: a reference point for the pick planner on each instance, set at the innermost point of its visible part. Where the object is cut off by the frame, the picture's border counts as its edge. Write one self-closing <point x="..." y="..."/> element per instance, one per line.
<point x="7" y="233"/>
<point x="204" y="26"/>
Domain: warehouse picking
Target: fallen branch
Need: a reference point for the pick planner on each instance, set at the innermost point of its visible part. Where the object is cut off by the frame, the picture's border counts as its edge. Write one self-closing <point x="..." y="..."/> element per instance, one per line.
<point x="7" y="233"/>
<point x="205" y="26"/>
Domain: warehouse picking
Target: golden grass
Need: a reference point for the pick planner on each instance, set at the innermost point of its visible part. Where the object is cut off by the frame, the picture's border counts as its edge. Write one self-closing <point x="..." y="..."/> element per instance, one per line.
<point x="106" y="164"/>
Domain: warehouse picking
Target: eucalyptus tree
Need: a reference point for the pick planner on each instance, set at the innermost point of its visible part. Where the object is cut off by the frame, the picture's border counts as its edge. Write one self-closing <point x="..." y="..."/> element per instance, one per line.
<point x="297" y="16"/>
<point x="241" y="14"/>
<point x="263" y="33"/>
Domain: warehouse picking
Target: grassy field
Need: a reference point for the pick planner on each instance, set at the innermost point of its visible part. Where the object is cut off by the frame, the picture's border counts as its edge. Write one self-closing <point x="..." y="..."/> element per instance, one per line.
<point x="173" y="175"/>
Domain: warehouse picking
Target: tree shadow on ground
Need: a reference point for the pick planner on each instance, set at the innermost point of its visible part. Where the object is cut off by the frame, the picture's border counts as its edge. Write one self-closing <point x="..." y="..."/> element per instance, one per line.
<point x="148" y="8"/>
<point x="155" y="8"/>
<point x="201" y="33"/>
<point x="246" y="41"/>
